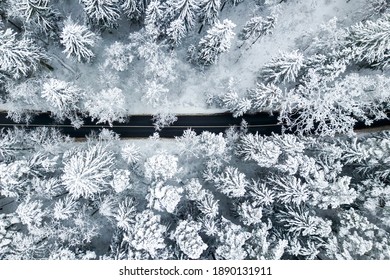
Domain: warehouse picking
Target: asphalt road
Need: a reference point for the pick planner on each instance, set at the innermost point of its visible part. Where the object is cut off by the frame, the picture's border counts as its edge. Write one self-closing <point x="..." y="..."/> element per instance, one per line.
<point x="142" y="125"/>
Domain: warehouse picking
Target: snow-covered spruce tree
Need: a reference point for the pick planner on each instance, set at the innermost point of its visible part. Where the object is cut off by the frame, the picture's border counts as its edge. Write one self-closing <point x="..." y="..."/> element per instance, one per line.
<point x="154" y="14"/>
<point x="266" y="97"/>
<point x="260" y="149"/>
<point x="231" y="182"/>
<point x="164" y="197"/>
<point x="102" y="12"/>
<point x="120" y="180"/>
<point x="188" y="144"/>
<point x="162" y="120"/>
<point x="217" y="41"/>
<point x="107" y="106"/>
<point x="10" y="144"/>
<point x="283" y="68"/>
<point x="31" y="213"/>
<point x="249" y="213"/>
<point x="291" y="190"/>
<point x="147" y="233"/>
<point x="64" y="208"/>
<point x="257" y="27"/>
<point x="187" y="11"/>
<point x="133" y="9"/>
<point x="87" y="172"/>
<point x="233" y="102"/>
<point x="326" y="109"/>
<point x="358" y="238"/>
<point x="263" y="245"/>
<point x="78" y="40"/>
<point x="329" y="67"/>
<point x="161" y="167"/>
<point x="370" y="41"/>
<point x="176" y="31"/>
<point x="131" y="153"/>
<point x="231" y="239"/>
<point x="62" y="97"/>
<point x="156" y="93"/>
<point x="18" y="57"/>
<point x="118" y="56"/>
<point x="38" y="12"/>
<point x="207" y="204"/>
<point x="125" y="216"/>
<point x="187" y="237"/>
<point x="209" y="10"/>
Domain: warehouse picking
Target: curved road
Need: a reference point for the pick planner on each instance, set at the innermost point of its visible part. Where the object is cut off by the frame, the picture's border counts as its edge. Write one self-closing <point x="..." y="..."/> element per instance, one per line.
<point x="142" y="125"/>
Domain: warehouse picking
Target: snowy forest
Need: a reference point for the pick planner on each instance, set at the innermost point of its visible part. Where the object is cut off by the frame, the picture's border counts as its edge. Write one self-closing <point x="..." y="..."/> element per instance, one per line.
<point x="319" y="190"/>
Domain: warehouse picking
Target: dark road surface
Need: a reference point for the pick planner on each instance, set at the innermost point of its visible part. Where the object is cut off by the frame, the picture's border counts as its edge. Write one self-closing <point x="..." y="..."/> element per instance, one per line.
<point x="142" y="126"/>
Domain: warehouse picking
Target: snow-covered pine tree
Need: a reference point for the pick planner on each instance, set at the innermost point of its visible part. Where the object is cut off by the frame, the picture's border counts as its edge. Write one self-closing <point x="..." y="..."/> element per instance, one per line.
<point x="108" y="106"/>
<point x="38" y="12"/>
<point x="148" y="233"/>
<point x="154" y="13"/>
<point x="259" y="148"/>
<point x="18" y="57"/>
<point x="232" y="182"/>
<point x="118" y="56"/>
<point x="133" y="9"/>
<point x="62" y="97"/>
<point x="88" y="171"/>
<point x="156" y="93"/>
<point x="257" y="27"/>
<point x="78" y="40"/>
<point x="161" y="167"/>
<point x="162" y="120"/>
<point x="176" y="31"/>
<point x="102" y="12"/>
<point x="131" y="153"/>
<point x="283" y="68"/>
<point x="370" y="41"/>
<point x="209" y="10"/>
<point x="266" y="97"/>
<point x="217" y="41"/>
<point x="235" y="104"/>
<point x="187" y="237"/>
<point x="187" y="11"/>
